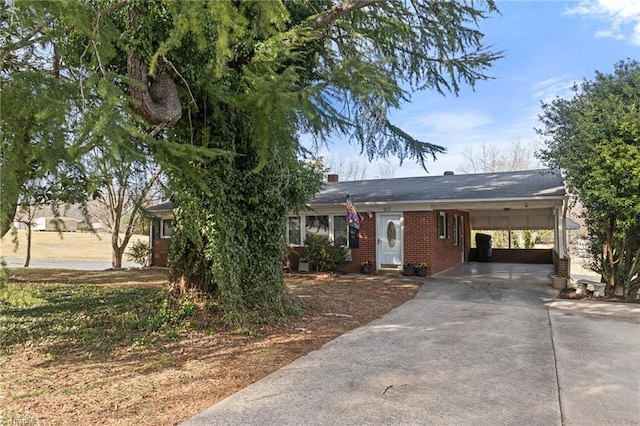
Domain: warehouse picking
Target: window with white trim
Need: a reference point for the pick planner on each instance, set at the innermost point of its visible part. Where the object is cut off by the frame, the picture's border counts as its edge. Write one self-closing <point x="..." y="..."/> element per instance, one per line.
<point x="166" y="228"/>
<point x="293" y="231"/>
<point x="457" y="230"/>
<point x="317" y="225"/>
<point x="340" y="231"/>
<point x="443" y="228"/>
<point x="333" y="227"/>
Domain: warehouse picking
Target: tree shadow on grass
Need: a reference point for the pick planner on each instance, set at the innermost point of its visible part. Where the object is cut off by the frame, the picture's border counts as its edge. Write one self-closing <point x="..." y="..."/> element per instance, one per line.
<point x="81" y="322"/>
<point x="135" y="276"/>
<point x="69" y="316"/>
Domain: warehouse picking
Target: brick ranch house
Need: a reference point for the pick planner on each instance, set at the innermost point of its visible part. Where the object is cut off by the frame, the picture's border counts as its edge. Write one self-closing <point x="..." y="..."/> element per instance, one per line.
<point x="423" y="219"/>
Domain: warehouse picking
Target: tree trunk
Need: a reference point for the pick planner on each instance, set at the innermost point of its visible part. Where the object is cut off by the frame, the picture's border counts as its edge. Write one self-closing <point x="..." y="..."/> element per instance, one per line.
<point x="237" y="254"/>
<point x="27" y="258"/>
<point x="116" y="252"/>
<point x="158" y="102"/>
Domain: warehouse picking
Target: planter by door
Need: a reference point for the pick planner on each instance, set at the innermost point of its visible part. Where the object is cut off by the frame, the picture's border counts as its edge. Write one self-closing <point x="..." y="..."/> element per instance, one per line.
<point x="367" y="269"/>
<point x="421" y="272"/>
<point x="409" y="270"/>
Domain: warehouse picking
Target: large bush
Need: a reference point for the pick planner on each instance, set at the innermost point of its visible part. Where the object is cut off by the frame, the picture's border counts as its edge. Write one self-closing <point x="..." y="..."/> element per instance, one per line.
<point x="324" y="255"/>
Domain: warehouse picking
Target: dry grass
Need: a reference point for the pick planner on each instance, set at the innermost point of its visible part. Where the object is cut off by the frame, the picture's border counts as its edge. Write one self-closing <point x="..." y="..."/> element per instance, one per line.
<point x="60" y="379"/>
<point x="64" y="246"/>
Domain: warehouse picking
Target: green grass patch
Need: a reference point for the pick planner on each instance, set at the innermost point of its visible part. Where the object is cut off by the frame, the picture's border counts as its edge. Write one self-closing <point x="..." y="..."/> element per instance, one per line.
<point x="19" y="297"/>
<point x="88" y="317"/>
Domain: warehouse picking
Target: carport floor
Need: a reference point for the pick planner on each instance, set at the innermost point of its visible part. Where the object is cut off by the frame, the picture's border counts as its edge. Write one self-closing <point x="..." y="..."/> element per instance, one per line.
<point x="474" y="347"/>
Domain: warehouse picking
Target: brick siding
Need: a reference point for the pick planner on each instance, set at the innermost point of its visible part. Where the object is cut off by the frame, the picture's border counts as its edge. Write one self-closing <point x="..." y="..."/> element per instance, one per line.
<point x="160" y="248"/>
<point x="421" y="242"/>
<point x="561" y="264"/>
<point x="367" y="246"/>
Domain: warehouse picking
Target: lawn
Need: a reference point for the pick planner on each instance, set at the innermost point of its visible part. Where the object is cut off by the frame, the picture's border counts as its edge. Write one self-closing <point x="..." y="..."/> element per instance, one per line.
<point x="102" y="347"/>
<point x="63" y="246"/>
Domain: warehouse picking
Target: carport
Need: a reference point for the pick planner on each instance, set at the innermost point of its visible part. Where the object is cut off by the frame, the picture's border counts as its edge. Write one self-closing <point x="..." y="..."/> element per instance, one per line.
<point x="533" y="200"/>
<point x="532" y="215"/>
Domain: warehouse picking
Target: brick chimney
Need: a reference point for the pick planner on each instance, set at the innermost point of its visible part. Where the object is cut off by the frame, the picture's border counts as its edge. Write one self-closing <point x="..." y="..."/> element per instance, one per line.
<point x="332" y="178"/>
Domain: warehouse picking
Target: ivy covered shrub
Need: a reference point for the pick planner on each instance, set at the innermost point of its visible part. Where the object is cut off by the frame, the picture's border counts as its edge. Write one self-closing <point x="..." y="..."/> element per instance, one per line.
<point x="324" y="255"/>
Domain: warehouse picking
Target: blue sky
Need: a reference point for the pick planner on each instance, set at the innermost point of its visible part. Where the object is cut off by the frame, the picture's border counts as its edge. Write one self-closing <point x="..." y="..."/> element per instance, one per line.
<point x="549" y="46"/>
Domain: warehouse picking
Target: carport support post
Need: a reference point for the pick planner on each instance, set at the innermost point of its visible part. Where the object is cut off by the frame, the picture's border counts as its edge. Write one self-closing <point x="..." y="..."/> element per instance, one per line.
<point x="561" y="234"/>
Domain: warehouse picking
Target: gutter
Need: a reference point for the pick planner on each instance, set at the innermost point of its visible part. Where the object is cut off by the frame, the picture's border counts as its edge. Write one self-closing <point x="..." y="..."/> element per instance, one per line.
<point x="458" y="201"/>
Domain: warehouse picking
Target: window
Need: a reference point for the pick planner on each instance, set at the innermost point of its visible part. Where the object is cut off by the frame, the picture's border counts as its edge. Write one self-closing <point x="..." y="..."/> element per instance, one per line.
<point x="457" y="230"/>
<point x="318" y="225"/>
<point x="330" y="226"/>
<point x="340" y="231"/>
<point x="167" y="228"/>
<point x="443" y="231"/>
<point x="293" y="231"/>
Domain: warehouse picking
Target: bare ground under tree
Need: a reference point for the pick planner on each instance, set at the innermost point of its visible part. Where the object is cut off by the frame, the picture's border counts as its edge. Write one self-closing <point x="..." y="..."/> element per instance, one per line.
<point x="58" y="383"/>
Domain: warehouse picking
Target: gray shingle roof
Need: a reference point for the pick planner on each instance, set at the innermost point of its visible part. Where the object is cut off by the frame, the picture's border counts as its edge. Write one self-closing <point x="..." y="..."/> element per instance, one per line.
<point x="166" y="206"/>
<point x="484" y="186"/>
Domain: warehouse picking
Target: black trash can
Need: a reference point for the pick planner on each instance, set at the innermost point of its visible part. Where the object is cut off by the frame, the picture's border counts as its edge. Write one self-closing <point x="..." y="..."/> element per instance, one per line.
<point x="483" y="244"/>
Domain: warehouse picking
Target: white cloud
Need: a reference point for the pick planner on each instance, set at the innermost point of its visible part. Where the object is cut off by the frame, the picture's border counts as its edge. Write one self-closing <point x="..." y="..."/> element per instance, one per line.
<point x="623" y="17"/>
<point x="608" y="34"/>
<point x="636" y="34"/>
<point x="438" y="123"/>
<point x="549" y="89"/>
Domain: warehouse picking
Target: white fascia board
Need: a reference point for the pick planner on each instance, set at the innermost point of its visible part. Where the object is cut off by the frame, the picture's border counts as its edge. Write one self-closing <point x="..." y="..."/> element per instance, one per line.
<point x="463" y="204"/>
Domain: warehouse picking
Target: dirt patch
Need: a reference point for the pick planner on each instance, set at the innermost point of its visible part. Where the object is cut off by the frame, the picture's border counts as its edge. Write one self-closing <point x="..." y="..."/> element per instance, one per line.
<point x="570" y="293"/>
<point x="165" y="384"/>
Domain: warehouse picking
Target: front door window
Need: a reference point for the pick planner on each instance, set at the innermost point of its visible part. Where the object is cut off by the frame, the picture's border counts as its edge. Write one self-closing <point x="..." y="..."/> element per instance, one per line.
<point x="391" y="234"/>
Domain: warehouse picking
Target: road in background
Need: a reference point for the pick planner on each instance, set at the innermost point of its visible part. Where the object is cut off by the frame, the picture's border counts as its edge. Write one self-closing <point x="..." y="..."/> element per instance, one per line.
<point x="82" y="265"/>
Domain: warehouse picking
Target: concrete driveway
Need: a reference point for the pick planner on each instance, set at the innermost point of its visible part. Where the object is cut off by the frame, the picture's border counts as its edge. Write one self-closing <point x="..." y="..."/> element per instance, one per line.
<point x="480" y="344"/>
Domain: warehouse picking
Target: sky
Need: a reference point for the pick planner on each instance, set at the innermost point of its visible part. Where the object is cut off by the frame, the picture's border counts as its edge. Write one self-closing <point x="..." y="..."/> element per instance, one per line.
<point x="548" y="47"/>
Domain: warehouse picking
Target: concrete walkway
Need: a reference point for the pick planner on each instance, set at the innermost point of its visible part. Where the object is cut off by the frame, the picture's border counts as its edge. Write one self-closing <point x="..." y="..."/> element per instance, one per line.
<point x="480" y="344"/>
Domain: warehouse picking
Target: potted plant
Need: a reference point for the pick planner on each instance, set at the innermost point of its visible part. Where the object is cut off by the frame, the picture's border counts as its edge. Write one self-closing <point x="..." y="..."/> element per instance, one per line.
<point x="558" y="281"/>
<point x="366" y="267"/>
<point x="304" y="265"/>
<point x="409" y="269"/>
<point x="421" y="269"/>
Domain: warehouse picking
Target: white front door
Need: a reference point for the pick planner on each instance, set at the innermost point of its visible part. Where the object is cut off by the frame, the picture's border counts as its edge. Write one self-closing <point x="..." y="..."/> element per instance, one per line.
<point x="390" y="243"/>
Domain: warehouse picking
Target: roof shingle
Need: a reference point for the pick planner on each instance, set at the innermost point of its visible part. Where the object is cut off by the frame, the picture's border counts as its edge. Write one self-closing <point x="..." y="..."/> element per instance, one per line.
<point x="483" y="186"/>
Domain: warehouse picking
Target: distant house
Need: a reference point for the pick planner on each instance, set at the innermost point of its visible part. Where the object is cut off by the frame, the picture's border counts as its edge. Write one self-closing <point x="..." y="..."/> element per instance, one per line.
<point x="428" y="219"/>
<point x="50" y="223"/>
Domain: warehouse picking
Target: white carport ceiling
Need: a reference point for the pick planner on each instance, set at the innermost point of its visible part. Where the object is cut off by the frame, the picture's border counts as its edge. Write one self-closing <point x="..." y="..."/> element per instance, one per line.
<point x="531" y="219"/>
